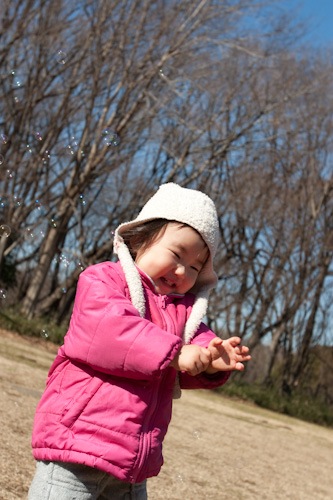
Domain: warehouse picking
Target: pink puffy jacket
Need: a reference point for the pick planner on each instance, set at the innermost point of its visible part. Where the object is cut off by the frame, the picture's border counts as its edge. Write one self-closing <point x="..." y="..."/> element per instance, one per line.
<point x="108" y="398"/>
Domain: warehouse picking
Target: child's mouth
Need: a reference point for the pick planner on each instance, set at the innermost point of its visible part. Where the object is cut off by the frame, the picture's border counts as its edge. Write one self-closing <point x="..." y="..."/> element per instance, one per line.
<point x="169" y="283"/>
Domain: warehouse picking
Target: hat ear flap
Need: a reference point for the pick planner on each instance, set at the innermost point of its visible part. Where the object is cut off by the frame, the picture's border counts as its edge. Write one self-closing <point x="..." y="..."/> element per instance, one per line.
<point x="132" y="276"/>
<point x="197" y="314"/>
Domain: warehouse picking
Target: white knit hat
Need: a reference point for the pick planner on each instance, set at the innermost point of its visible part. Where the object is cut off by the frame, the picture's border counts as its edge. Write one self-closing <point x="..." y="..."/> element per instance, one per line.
<point x="187" y="206"/>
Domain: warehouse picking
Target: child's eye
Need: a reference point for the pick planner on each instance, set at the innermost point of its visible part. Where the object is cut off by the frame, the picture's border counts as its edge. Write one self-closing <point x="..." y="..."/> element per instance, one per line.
<point x="176" y="254"/>
<point x="195" y="269"/>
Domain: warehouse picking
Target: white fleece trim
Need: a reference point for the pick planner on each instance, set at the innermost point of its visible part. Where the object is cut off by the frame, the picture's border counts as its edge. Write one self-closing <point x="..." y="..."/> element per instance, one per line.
<point x="198" y="312"/>
<point x="133" y="278"/>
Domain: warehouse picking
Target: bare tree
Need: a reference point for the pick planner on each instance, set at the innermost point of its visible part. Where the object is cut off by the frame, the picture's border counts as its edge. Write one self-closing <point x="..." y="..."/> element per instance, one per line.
<point x="78" y="79"/>
<point x="275" y="227"/>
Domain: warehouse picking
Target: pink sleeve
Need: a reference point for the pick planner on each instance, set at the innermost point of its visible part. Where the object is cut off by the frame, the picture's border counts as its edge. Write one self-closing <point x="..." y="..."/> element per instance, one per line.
<point x="107" y="333"/>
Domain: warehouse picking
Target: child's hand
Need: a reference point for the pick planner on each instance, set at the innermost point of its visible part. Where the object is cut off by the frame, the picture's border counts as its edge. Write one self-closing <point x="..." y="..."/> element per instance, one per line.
<point x="192" y="359"/>
<point x="227" y="355"/>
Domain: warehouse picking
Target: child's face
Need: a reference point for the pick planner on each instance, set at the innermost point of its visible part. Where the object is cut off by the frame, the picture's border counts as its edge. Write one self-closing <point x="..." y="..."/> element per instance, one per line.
<point x="174" y="259"/>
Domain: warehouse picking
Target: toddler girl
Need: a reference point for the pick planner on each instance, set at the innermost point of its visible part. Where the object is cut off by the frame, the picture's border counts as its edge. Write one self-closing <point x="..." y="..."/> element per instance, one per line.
<point x="135" y="339"/>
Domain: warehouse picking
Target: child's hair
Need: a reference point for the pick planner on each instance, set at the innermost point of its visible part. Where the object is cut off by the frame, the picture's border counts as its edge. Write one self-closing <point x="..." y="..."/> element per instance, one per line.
<point x="140" y="237"/>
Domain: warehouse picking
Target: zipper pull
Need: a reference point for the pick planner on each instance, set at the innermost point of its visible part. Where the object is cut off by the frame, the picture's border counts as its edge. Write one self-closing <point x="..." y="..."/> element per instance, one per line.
<point x="161" y="301"/>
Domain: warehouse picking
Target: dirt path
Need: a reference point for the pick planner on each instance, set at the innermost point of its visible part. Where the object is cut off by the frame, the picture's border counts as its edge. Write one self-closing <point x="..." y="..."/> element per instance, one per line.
<point x="215" y="449"/>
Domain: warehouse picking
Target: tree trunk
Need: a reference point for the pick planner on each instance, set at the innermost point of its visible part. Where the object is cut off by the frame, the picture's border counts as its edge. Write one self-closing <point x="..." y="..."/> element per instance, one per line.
<point x="48" y="251"/>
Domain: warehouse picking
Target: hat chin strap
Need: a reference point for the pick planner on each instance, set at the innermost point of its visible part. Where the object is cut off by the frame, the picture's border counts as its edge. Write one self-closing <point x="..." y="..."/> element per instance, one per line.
<point x="133" y="278"/>
<point x="199" y="310"/>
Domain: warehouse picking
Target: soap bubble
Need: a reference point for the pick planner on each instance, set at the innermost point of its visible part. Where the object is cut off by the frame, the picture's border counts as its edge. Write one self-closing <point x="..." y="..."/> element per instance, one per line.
<point x="33" y="233"/>
<point x="17" y="201"/>
<point x="82" y="201"/>
<point x="3" y="201"/>
<point x="3" y="139"/>
<point x="180" y="482"/>
<point x="18" y="86"/>
<point x="38" y="136"/>
<point x="38" y="205"/>
<point x="44" y="334"/>
<point x="52" y="222"/>
<point x="41" y="211"/>
<point x="3" y="294"/>
<point x="46" y="157"/>
<point x="69" y="150"/>
<point x="169" y="72"/>
<point x="80" y="265"/>
<point x="110" y="138"/>
<point x="197" y="434"/>
<point x="64" y="260"/>
<point x="72" y="148"/>
<point x="29" y="234"/>
<point x="61" y="57"/>
<point x="2" y="160"/>
<point x="5" y="231"/>
<point x="17" y="82"/>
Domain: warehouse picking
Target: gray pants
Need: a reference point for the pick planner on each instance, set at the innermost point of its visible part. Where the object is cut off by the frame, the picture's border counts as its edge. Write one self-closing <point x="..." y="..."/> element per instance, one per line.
<point x="67" y="481"/>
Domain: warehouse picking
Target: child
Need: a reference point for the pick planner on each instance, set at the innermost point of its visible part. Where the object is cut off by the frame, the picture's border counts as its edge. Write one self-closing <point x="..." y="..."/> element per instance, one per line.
<point x="135" y="339"/>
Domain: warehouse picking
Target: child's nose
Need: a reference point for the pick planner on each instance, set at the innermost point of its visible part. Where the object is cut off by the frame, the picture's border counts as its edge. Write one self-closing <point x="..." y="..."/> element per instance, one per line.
<point x="180" y="270"/>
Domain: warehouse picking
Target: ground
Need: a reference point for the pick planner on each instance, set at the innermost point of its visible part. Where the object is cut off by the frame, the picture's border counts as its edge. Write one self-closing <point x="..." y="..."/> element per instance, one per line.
<point x="215" y="448"/>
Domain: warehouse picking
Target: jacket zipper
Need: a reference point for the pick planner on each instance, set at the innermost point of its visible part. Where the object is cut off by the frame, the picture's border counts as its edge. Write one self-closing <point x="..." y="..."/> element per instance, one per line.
<point x="164" y="322"/>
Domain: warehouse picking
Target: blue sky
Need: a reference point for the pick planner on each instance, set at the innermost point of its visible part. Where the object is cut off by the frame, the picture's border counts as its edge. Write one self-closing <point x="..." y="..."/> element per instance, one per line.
<point x="319" y="13"/>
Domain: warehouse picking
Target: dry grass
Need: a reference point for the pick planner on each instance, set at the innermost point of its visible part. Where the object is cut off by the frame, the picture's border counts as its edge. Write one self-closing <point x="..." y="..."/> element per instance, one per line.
<point x="215" y="448"/>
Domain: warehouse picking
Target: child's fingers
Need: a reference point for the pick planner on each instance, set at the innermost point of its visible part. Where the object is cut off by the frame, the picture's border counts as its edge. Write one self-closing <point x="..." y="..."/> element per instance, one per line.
<point x="242" y="349"/>
<point x="215" y="343"/>
<point x="244" y="357"/>
<point x="206" y="355"/>
<point x="235" y="341"/>
<point x="201" y="363"/>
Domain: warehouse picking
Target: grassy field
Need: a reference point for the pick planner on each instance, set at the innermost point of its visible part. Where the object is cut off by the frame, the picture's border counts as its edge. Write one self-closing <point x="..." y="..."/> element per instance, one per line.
<point x="216" y="448"/>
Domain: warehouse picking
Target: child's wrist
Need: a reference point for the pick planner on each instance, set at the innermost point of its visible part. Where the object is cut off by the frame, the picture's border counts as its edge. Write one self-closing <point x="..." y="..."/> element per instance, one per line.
<point x="175" y="361"/>
<point x="211" y="371"/>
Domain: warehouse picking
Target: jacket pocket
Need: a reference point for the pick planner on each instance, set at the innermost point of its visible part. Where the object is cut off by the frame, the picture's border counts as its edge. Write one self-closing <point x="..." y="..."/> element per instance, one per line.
<point x="77" y="405"/>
